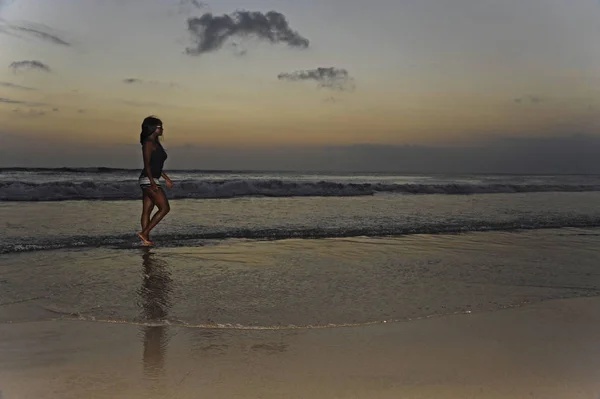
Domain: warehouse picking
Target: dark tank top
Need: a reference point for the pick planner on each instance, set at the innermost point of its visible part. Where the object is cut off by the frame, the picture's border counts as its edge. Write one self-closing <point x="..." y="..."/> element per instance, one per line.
<point x="157" y="161"/>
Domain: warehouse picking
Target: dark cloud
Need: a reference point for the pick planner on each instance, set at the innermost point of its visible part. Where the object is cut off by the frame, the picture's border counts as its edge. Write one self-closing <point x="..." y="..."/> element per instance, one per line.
<point x="15" y="86"/>
<point x="28" y="30"/>
<point x="210" y="32"/>
<point x="329" y="78"/>
<point x="29" y="113"/>
<point x="130" y="81"/>
<point x="238" y="50"/>
<point x="42" y="35"/>
<point x="9" y="101"/>
<point x="5" y="100"/>
<point x="29" y="64"/>
<point x="195" y="3"/>
<point x="550" y="155"/>
<point x="530" y="99"/>
<point x="185" y="6"/>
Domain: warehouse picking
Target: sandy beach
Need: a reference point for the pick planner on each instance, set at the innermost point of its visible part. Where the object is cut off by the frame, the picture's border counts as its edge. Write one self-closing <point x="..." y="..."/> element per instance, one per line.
<point x="545" y="350"/>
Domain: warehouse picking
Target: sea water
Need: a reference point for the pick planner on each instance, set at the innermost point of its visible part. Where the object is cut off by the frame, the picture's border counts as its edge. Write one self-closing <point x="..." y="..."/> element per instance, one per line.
<point x="292" y="250"/>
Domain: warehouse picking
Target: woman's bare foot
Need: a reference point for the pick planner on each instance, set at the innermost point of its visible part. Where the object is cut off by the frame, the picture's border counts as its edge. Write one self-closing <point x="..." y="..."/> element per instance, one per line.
<point x="145" y="239"/>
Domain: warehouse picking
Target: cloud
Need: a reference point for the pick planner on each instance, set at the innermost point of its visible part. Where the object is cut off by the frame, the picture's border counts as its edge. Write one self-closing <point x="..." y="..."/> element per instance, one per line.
<point x="186" y="6"/>
<point x="210" y="32"/>
<point x="15" y="86"/>
<point x="5" y="100"/>
<point x="28" y="29"/>
<point x="29" y="113"/>
<point x="131" y="81"/>
<point x="541" y="155"/>
<point x="9" y="101"/>
<point x="29" y="64"/>
<point x="530" y="99"/>
<point x="238" y="50"/>
<point x="195" y="3"/>
<point x="329" y="78"/>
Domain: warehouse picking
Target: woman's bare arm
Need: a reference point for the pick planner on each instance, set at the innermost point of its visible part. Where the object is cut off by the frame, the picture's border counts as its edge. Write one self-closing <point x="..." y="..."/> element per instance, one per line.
<point x="168" y="180"/>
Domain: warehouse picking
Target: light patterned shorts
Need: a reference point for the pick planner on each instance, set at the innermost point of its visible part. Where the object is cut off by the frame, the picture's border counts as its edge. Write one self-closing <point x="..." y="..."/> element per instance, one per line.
<point x="144" y="182"/>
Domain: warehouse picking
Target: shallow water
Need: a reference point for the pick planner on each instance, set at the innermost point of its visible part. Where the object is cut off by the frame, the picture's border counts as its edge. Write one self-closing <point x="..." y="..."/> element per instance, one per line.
<point x="302" y="282"/>
<point x="90" y="224"/>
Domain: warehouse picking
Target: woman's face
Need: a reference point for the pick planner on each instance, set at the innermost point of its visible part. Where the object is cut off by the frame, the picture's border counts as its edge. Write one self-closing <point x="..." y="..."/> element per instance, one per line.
<point x="159" y="130"/>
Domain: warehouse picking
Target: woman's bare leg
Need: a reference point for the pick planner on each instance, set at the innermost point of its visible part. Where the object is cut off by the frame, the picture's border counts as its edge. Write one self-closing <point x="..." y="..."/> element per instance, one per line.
<point x="162" y="203"/>
<point x="148" y="205"/>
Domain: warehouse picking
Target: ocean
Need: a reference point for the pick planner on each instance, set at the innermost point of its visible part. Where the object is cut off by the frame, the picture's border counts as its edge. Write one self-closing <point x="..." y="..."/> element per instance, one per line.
<point x="283" y="250"/>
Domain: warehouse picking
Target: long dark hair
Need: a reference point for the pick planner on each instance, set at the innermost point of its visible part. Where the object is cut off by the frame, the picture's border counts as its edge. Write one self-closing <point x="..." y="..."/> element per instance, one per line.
<point x="148" y="127"/>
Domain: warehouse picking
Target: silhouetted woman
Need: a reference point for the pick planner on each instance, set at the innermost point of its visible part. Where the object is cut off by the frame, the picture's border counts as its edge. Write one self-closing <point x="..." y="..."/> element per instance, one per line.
<point x="154" y="159"/>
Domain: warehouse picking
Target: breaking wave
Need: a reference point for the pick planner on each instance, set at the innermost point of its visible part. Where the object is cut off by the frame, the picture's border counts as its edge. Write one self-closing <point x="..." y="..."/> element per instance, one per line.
<point x="204" y="189"/>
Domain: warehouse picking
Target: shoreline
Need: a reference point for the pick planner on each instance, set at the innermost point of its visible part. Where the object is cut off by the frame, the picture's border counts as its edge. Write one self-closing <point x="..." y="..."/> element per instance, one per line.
<point x="548" y="349"/>
<point x="239" y="327"/>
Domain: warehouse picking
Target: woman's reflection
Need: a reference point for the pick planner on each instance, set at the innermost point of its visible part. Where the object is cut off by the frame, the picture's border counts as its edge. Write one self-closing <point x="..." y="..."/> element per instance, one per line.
<point x="154" y="296"/>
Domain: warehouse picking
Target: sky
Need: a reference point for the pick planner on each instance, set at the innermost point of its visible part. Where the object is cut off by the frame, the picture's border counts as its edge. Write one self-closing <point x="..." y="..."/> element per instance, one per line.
<point x="431" y="85"/>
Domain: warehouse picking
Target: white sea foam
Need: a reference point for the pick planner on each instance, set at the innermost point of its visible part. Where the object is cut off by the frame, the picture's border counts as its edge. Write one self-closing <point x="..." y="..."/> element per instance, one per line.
<point x="205" y="189"/>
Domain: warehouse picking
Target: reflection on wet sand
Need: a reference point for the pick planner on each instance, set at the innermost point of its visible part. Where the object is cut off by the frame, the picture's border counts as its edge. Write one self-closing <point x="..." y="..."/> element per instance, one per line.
<point x="154" y="301"/>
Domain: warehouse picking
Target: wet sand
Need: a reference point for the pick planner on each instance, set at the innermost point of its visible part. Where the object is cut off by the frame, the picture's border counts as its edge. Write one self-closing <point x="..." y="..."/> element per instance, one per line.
<point x="545" y="350"/>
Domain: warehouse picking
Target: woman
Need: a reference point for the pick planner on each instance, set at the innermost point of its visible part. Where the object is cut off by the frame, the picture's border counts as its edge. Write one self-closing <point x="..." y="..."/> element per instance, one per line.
<point x="154" y="159"/>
